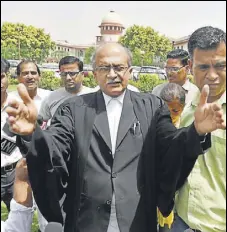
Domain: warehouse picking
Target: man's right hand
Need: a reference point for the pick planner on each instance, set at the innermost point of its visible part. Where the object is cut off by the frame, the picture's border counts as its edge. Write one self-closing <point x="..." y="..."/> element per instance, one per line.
<point x="22" y="115"/>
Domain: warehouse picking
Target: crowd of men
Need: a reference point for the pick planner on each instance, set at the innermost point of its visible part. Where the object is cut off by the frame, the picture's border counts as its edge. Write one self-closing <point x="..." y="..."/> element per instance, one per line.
<point x="112" y="159"/>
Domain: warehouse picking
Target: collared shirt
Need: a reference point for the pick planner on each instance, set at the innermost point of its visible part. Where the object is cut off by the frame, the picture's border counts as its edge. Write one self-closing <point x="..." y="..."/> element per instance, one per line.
<point x="8" y="140"/>
<point x="56" y="98"/>
<point x="38" y="99"/>
<point x="114" y="109"/>
<point x="19" y="218"/>
<point x="190" y="89"/>
<point x="130" y="87"/>
<point x="201" y="202"/>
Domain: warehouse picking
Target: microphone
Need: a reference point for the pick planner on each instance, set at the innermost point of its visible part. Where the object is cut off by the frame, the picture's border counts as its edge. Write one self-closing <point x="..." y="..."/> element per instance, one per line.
<point x="54" y="227"/>
<point x="40" y="120"/>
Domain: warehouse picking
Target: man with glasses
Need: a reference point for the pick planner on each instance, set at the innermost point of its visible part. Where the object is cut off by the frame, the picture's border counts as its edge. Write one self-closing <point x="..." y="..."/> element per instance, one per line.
<point x="108" y="159"/>
<point x="177" y="69"/>
<point x="71" y="72"/>
<point x="117" y="70"/>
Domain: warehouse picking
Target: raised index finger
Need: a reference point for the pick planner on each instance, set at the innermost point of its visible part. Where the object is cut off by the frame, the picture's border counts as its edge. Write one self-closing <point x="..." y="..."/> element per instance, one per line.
<point x="204" y="95"/>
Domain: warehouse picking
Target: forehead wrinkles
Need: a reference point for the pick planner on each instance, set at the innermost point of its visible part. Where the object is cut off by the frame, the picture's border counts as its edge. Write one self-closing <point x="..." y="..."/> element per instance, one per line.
<point x="29" y="66"/>
<point x="210" y="56"/>
<point x="112" y="55"/>
<point x="173" y="62"/>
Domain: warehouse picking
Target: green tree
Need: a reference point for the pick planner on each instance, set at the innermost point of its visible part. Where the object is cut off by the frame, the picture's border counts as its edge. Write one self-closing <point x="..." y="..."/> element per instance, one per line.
<point x="145" y="44"/>
<point x="19" y="41"/>
<point x="88" y="54"/>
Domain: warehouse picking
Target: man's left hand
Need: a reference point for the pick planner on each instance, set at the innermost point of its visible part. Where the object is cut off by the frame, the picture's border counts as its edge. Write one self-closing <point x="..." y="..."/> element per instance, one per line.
<point x="208" y="116"/>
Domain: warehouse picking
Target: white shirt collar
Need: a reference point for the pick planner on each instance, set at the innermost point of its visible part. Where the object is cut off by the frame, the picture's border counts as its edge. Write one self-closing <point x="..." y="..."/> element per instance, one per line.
<point x="186" y="85"/>
<point x="39" y="96"/>
<point x="107" y="98"/>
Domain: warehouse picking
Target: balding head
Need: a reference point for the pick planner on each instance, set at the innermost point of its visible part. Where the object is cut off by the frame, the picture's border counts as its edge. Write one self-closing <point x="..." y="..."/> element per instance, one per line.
<point x="113" y="48"/>
<point x="112" y="68"/>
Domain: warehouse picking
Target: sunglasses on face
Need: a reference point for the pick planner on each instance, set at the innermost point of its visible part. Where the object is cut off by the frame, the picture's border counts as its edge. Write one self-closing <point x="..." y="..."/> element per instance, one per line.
<point x="25" y="73"/>
<point x="173" y="69"/>
<point x="71" y="74"/>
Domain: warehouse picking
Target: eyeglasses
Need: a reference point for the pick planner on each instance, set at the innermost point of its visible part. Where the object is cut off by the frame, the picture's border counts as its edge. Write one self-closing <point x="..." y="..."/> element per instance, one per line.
<point x="173" y="69"/>
<point x="71" y="74"/>
<point x="25" y="73"/>
<point x="106" y="69"/>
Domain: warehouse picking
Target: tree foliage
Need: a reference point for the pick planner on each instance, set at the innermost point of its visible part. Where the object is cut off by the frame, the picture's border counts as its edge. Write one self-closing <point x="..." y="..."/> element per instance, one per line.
<point x="19" y="41"/>
<point x="146" y="45"/>
<point x="88" y="54"/>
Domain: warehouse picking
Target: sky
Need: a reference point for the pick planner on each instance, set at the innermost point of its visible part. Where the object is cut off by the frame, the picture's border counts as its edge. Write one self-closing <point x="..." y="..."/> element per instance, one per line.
<point x="78" y="21"/>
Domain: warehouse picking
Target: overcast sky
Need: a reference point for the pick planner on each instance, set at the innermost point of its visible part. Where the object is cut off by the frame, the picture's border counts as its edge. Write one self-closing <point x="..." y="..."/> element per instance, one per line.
<point x="78" y="21"/>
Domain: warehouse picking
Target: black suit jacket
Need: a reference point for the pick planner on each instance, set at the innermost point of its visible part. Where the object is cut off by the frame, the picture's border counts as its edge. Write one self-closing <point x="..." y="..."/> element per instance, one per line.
<point x="57" y="157"/>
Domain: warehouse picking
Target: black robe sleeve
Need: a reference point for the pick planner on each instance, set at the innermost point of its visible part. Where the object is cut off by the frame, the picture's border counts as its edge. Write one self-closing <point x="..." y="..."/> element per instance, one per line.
<point x="48" y="158"/>
<point x="177" y="151"/>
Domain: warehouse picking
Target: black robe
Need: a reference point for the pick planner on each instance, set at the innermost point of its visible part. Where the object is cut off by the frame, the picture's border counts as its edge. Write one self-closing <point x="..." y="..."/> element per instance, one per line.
<point x="57" y="157"/>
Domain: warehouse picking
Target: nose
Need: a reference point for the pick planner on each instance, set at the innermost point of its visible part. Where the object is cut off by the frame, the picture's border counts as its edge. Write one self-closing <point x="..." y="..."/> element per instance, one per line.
<point x="112" y="74"/>
<point x="68" y="77"/>
<point x="212" y="74"/>
<point x="29" y="76"/>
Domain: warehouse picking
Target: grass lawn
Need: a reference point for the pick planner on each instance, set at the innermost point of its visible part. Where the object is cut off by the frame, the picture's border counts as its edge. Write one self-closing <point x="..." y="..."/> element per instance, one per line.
<point x="4" y="216"/>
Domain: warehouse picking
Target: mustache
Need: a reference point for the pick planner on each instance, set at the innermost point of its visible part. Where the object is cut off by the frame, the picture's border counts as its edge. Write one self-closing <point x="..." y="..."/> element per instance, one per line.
<point x="113" y="81"/>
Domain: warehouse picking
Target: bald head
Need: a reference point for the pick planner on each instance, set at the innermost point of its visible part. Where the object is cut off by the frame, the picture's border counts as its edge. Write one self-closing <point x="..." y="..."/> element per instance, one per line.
<point x="110" y="49"/>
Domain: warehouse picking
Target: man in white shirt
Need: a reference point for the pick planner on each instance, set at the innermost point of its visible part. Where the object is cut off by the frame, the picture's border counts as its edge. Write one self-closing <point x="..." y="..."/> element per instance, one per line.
<point x="10" y="154"/>
<point x="21" y="214"/>
<point x="71" y="72"/>
<point x="177" y="69"/>
<point x="29" y="74"/>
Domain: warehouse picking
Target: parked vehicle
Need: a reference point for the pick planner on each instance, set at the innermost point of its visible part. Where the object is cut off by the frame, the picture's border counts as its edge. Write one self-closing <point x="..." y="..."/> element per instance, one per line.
<point x="135" y="72"/>
<point x="153" y="70"/>
<point x="54" y="67"/>
<point x="13" y="66"/>
<point x="87" y="69"/>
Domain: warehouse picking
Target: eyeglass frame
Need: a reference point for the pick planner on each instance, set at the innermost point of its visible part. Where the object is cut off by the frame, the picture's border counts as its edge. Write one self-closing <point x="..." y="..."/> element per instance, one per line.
<point x="69" y="73"/>
<point x="112" y="67"/>
<point x="179" y="68"/>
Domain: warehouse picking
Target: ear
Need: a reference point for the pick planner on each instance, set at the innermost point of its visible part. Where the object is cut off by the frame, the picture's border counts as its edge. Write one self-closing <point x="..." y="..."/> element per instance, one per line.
<point x="190" y="64"/>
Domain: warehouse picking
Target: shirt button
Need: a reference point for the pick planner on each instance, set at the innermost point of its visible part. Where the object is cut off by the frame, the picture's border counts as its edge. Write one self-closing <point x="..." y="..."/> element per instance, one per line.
<point x="108" y="202"/>
<point x="114" y="175"/>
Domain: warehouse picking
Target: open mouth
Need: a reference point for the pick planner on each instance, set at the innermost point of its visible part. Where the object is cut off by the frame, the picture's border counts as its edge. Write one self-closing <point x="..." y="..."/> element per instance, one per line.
<point x="30" y="82"/>
<point x="70" y="83"/>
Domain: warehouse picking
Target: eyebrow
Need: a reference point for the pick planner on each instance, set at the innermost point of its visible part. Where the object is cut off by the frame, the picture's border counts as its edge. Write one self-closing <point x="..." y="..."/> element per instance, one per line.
<point x="221" y="62"/>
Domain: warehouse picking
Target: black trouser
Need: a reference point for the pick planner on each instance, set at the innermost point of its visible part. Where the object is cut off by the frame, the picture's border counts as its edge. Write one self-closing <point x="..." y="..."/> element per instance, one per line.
<point x="7" y="181"/>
